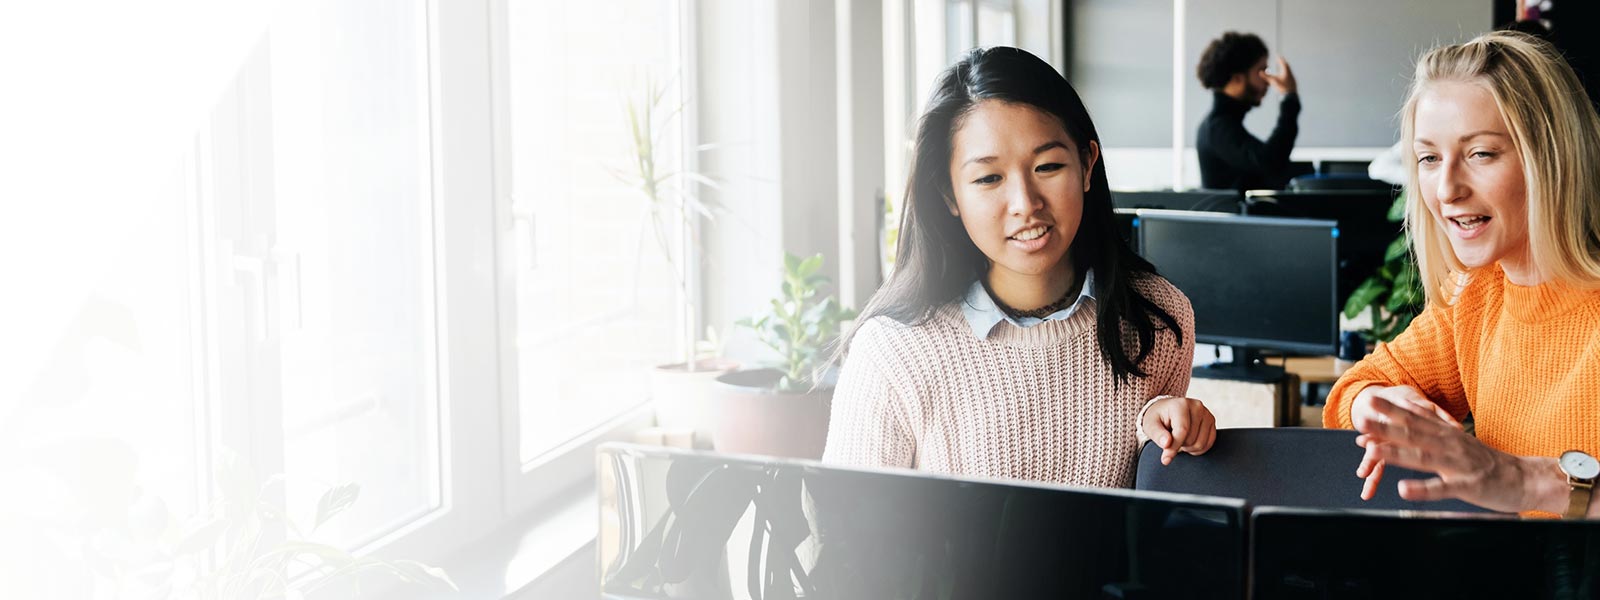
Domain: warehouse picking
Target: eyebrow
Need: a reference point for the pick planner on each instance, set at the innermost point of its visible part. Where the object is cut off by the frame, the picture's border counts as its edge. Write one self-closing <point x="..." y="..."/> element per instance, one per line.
<point x="1036" y="151"/>
<point x="1464" y="138"/>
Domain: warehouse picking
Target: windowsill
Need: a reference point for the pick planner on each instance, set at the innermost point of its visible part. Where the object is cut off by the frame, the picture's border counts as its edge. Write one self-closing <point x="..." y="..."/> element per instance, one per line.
<point x="524" y="549"/>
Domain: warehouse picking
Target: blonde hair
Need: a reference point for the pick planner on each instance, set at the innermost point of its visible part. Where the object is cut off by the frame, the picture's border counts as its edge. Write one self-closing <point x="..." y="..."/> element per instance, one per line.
<point x="1557" y="134"/>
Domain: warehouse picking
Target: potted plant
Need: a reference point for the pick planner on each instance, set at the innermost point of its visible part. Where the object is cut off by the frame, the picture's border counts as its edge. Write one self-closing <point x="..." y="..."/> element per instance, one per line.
<point x="783" y="410"/>
<point x="1392" y="295"/>
<point x="678" y="390"/>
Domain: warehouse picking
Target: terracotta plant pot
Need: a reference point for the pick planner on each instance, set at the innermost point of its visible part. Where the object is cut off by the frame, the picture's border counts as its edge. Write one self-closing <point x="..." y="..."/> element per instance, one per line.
<point x="753" y="418"/>
<point x="683" y="398"/>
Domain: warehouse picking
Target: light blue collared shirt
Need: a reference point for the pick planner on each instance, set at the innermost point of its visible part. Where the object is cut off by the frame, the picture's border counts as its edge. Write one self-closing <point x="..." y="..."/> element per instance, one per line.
<point x="983" y="314"/>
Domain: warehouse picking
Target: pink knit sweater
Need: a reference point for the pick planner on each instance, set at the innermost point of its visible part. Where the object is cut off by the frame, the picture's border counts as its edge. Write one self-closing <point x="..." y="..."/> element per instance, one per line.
<point x="1036" y="403"/>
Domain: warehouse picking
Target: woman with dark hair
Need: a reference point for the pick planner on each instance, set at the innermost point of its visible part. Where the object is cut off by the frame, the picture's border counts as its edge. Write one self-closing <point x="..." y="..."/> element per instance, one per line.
<point x="1018" y="335"/>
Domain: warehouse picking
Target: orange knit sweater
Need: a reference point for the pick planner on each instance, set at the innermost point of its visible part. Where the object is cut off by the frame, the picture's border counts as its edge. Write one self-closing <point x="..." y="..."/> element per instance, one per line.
<point x="1524" y="361"/>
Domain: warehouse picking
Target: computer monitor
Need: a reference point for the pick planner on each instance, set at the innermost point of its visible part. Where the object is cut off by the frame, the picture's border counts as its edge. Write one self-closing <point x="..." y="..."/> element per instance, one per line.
<point x="1124" y="218"/>
<point x="1224" y="201"/>
<point x="1304" y="553"/>
<point x="1256" y="283"/>
<point x="1365" y="230"/>
<point x="689" y="524"/>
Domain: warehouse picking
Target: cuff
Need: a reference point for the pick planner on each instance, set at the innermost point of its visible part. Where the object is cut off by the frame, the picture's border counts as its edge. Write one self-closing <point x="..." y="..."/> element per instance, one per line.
<point x="1138" y="426"/>
<point x="1290" y="105"/>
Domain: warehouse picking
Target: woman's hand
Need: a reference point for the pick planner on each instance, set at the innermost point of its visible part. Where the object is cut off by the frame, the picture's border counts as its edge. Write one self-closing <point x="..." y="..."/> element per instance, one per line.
<point x="1179" y="425"/>
<point x="1418" y="435"/>
<point x="1405" y="396"/>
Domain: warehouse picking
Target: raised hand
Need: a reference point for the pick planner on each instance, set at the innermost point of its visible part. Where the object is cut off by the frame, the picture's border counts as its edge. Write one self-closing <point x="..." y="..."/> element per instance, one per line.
<point x="1284" y="80"/>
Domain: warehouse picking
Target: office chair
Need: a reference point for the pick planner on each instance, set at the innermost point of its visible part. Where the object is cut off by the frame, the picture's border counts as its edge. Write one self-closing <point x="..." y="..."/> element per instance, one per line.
<point x="1298" y="467"/>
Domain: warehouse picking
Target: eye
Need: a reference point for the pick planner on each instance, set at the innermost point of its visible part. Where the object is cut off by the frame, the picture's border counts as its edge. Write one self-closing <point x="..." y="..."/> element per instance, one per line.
<point x="1485" y="154"/>
<point x="1427" y="159"/>
<point x="1049" y="167"/>
<point x="987" y="179"/>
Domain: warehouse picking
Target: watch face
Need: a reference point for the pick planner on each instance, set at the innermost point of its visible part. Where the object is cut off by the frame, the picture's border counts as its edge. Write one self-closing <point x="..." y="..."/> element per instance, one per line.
<point x="1580" y="465"/>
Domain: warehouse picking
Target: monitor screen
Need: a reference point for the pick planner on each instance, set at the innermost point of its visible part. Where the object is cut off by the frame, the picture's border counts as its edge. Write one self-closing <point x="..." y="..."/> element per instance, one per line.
<point x="1223" y="201"/>
<point x="684" y="524"/>
<point x="1365" y="230"/>
<point x="1254" y="282"/>
<point x="1301" y="553"/>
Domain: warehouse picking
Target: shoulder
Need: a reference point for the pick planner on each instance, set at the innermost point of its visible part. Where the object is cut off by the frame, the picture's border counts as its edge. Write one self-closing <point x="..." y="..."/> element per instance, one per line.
<point x="1158" y="290"/>
<point x="883" y="337"/>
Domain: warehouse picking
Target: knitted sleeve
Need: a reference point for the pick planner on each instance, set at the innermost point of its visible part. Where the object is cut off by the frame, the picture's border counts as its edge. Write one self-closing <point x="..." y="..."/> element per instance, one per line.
<point x="1172" y="363"/>
<point x="1423" y="356"/>
<point x="867" y="425"/>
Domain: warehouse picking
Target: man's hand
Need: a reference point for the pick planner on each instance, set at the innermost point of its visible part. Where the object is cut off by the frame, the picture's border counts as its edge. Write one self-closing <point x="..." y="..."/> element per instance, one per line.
<point x="1180" y="425"/>
<point x="1284" y="81"/>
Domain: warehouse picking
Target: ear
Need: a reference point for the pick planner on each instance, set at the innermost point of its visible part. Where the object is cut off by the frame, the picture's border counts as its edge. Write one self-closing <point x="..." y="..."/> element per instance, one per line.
<point x="950" y="203"/>
<point x="1089" y="160"/>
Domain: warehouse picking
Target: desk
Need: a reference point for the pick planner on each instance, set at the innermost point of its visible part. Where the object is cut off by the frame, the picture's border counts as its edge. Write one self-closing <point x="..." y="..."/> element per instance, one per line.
<point x="1249" y="403"/>
<point x="1282" y="404"/>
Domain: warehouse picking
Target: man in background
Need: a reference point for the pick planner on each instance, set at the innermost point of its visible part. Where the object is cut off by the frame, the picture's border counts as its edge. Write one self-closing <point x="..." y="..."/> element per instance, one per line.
<point x="1234" y="68"/>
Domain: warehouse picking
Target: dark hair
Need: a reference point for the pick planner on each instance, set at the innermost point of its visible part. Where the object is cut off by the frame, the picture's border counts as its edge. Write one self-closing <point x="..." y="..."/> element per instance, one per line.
<point x="936" y="262"/>
<point x="1225" y="56"/>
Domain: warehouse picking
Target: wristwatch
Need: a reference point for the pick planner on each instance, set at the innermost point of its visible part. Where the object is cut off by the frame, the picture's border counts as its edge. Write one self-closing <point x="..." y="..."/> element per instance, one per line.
<point x="1581" y="470"/>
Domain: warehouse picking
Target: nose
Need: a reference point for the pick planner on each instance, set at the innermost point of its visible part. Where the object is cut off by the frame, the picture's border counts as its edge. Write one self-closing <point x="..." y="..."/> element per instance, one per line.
<point x="1022" y="198"/>
<point x="1450" y="186"/>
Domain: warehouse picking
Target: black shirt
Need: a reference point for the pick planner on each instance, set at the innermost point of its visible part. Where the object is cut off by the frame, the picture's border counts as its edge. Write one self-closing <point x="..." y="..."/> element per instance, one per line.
<point x="1232" y="159"/>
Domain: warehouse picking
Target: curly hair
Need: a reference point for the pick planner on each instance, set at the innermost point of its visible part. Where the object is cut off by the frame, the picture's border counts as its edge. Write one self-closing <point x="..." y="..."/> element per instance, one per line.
<point x="1232" y="53"/>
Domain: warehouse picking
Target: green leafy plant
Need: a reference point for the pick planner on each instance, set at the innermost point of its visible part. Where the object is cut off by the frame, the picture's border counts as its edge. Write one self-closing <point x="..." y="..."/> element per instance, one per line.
<point x="669" y="193"/>
<point x="802" y="324"/>
<point x="1393" y="295"/>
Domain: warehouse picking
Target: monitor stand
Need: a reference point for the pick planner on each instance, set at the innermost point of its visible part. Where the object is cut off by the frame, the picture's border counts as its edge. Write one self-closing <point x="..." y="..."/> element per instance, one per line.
<point x="1247" y="365"/>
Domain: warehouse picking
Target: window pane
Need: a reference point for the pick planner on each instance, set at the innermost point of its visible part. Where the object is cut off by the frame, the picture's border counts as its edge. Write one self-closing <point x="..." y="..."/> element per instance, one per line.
<point x="99" y="450"/>
<point x="597" y="271"/>
<point x="353" y="261"/>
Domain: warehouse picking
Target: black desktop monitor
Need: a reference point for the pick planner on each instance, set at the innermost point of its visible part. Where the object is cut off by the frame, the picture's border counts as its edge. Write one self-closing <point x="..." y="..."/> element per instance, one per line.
<point x="685" y="524"/>
<point x="1256" y="283"/>
<point x="1365" y="230"/>
<point x="1124" y="218"/>
<point x="1224" y="201"/>
<point x="1301" y="553"/>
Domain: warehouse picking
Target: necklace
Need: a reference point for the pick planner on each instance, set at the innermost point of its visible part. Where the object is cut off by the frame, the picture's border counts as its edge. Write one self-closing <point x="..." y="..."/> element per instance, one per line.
<point x="1038" y="313"/>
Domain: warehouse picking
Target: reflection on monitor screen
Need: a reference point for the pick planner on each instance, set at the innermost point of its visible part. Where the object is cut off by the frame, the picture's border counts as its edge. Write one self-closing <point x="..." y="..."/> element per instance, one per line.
<point x="679" y="524"/>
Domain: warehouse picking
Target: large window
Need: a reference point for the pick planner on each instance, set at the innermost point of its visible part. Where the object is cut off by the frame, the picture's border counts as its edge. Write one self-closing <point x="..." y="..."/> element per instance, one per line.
<point x="600" y="271"/>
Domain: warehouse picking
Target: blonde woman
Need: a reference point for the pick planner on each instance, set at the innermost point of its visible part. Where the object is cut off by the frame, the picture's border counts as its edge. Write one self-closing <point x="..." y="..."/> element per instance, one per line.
<point x="1502" y="146"/>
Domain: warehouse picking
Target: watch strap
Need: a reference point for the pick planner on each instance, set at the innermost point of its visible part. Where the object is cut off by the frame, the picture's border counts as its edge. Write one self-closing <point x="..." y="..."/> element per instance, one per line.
<point x="1578" y="501"/>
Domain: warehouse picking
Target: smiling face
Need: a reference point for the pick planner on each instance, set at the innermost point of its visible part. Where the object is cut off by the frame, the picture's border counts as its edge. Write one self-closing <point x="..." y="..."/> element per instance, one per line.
<point x="1470" y="175"/>
<point x="1019" y="181"/>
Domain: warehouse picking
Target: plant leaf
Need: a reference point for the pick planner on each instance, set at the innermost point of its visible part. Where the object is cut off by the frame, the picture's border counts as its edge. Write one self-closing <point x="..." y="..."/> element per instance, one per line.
<point x="426" y="572"/>
<point x="809" y="266"/>
<point x="334" y="501"/>
<point x="1397" y="249"/>
<point x="1397" y="211"/>
<point x="201" y="537"/>
<point x="1367" y="293"/>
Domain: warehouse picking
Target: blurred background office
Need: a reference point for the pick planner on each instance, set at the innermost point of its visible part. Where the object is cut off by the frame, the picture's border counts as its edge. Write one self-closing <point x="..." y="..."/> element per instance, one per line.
<point x="407" y="263"/>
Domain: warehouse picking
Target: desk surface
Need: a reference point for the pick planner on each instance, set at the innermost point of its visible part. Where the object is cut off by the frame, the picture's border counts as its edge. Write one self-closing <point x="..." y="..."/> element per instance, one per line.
<point x="1316" y="369"/>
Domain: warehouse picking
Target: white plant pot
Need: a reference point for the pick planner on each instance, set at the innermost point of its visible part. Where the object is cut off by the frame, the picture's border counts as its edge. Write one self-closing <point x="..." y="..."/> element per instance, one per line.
<point x="682" y="398"/>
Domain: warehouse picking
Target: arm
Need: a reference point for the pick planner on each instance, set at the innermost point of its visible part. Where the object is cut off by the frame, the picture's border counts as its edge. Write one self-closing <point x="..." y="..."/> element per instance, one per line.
<point x="1467" y="468"/>
<point x="1235" y="146"/>
<point x="1175" y="422"/>
<point x="1423" y="358"/>
<point x="867" y="425"/>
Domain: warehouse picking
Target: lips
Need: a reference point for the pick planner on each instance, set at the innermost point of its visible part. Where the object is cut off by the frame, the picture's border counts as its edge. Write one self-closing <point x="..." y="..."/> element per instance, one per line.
<point x="1031" y="239"/>
<point x="1030" y="234"/>
<point x="1468" y="226"/>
